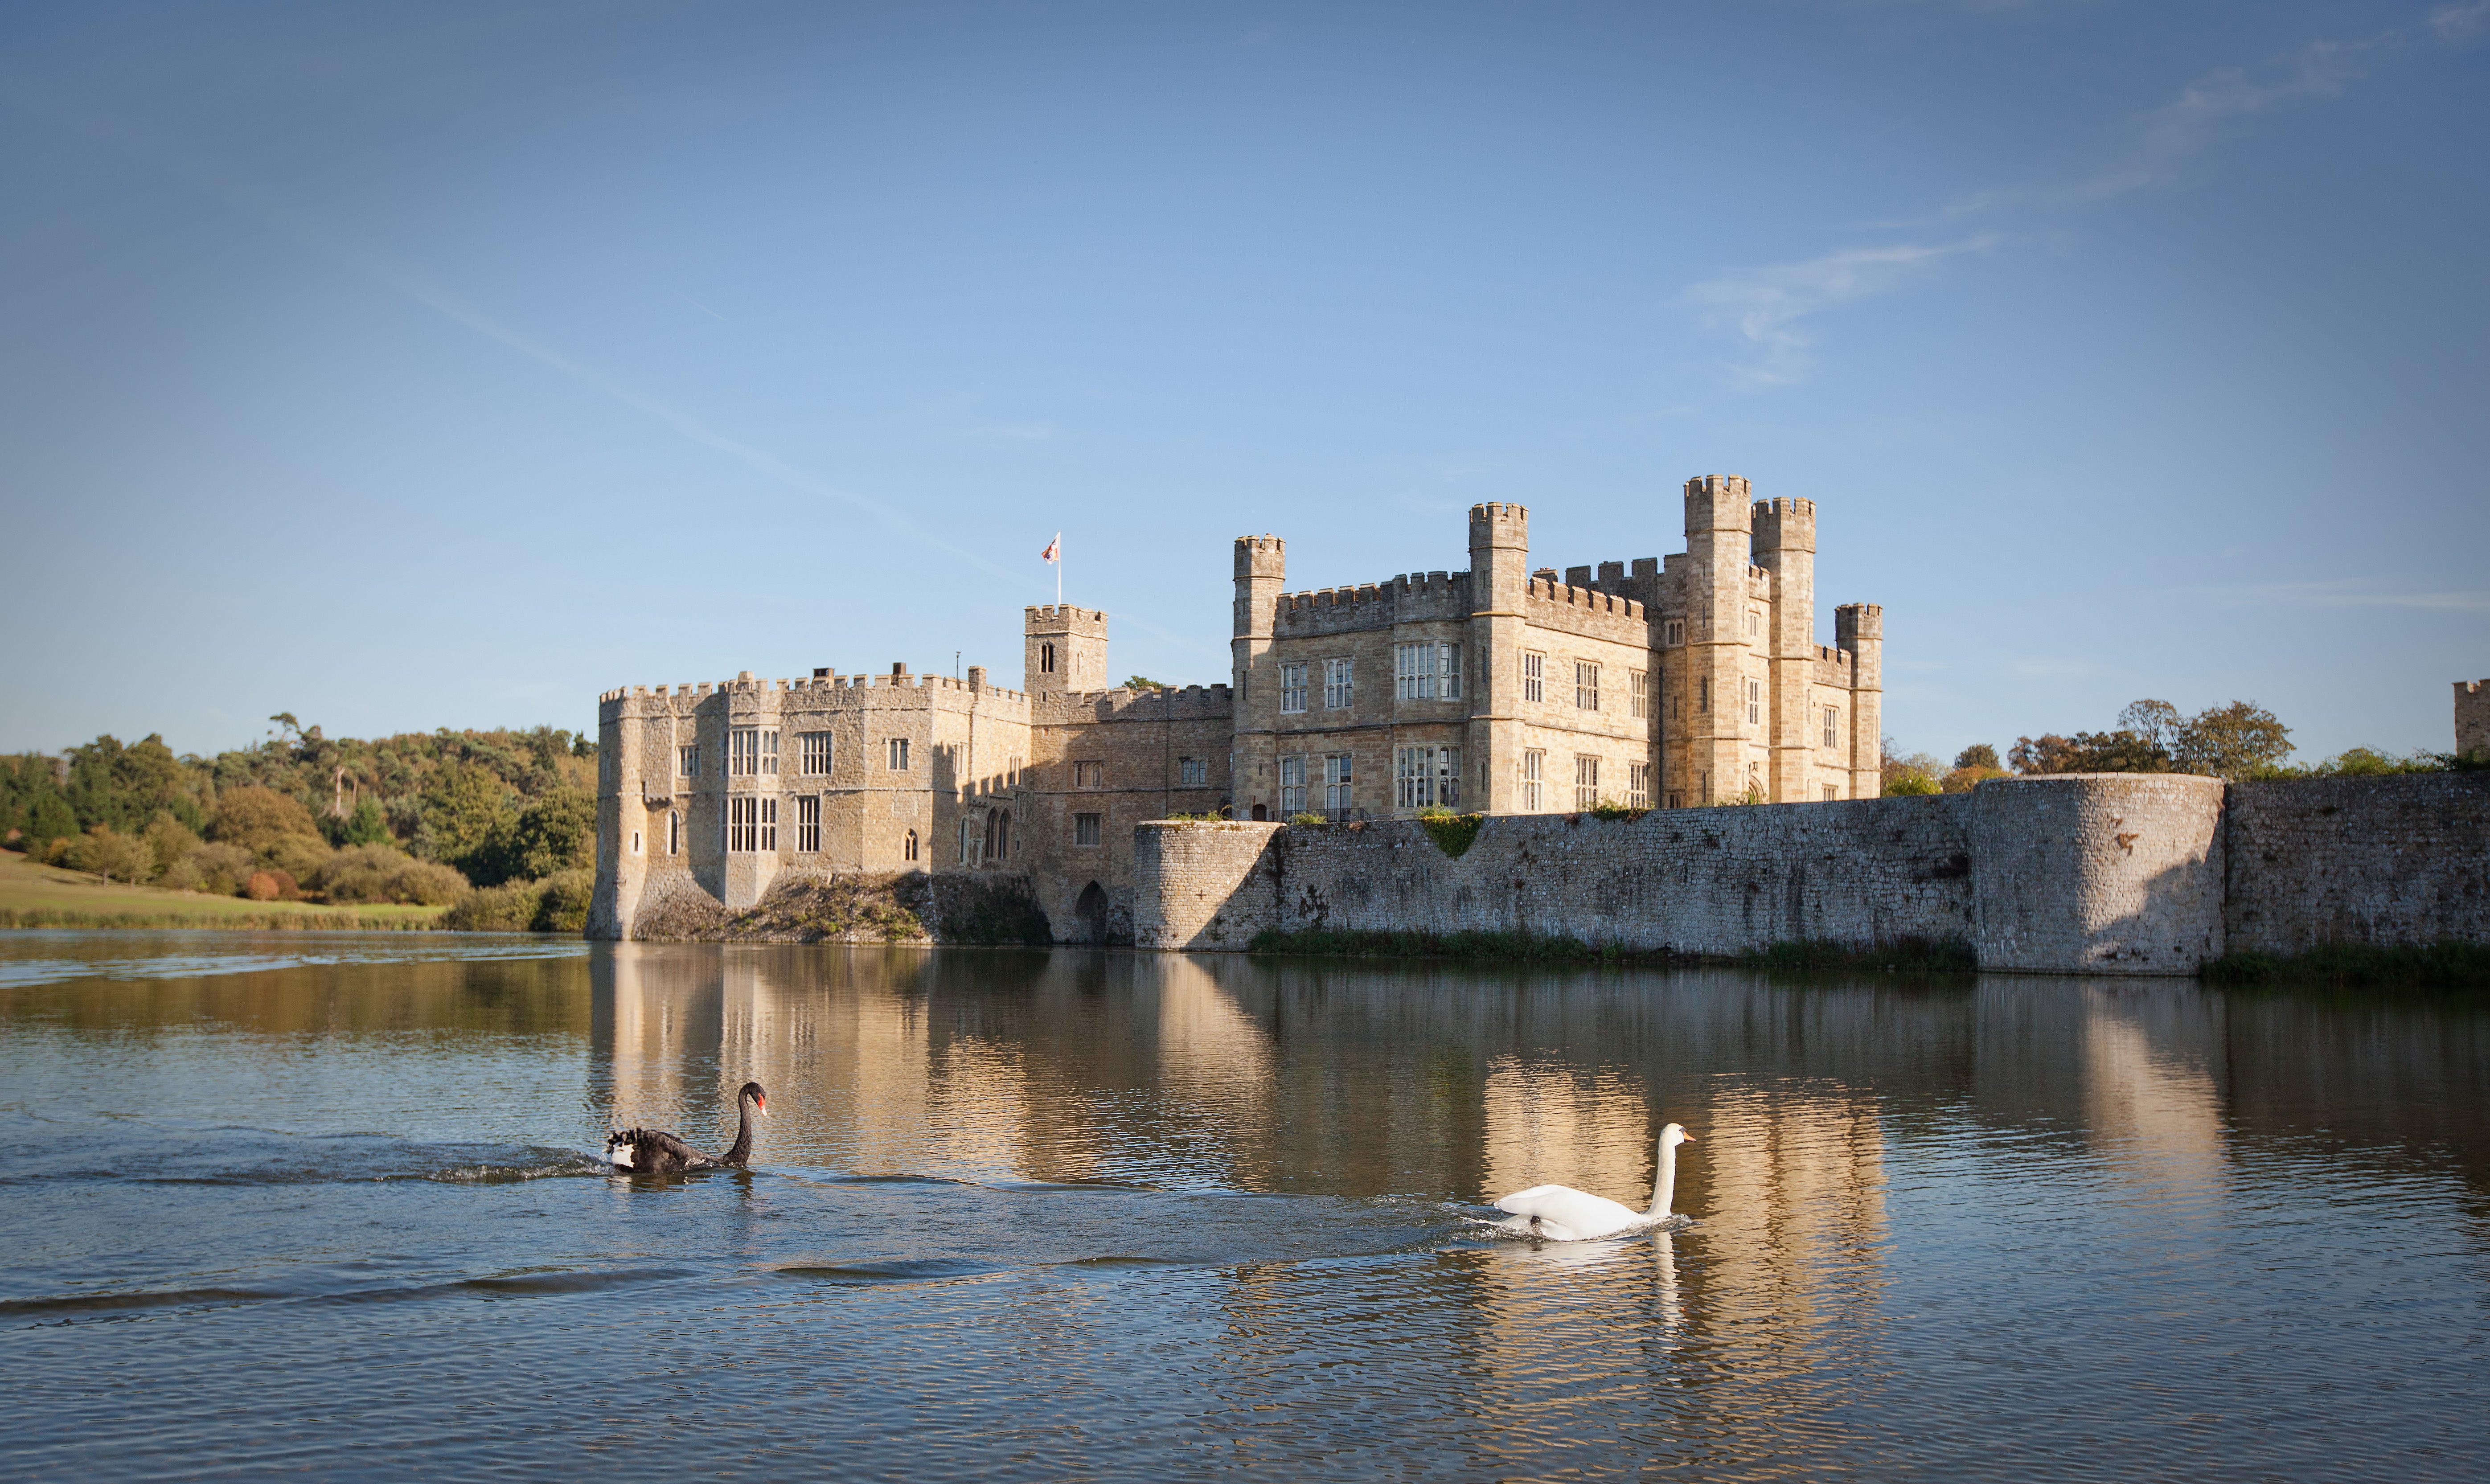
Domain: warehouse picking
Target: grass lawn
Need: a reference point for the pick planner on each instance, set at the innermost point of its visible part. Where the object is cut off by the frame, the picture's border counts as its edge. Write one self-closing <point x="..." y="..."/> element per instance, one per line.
<point x="35" y="895"/>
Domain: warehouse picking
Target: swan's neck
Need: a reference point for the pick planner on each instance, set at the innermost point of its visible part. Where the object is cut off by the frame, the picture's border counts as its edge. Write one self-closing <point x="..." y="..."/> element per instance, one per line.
<point x="742" y="1135"/>
<point x="1664" y="1182"/>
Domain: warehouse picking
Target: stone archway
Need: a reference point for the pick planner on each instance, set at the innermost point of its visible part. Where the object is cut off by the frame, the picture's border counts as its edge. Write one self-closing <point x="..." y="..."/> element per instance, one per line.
<point x="1091" y="909"/>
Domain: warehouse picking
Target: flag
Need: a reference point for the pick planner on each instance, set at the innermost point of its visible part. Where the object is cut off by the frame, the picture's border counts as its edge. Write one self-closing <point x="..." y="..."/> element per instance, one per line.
<point x="1054" y="551"/>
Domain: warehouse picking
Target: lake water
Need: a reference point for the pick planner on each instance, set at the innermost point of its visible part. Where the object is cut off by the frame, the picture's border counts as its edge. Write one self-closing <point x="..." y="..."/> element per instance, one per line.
<point x="328" y="1205"/>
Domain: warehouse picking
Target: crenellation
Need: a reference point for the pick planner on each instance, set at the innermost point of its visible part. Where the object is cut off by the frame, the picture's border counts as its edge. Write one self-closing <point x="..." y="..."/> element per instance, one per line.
<point x="1658" y="681"/>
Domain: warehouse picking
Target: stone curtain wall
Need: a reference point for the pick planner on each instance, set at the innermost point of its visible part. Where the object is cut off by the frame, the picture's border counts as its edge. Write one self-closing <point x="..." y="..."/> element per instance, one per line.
<point x="2103" y="874"/>
<point x="2385" y="860"/>
<point x="1710" y="881"/>
<point x="2106" y="873"/>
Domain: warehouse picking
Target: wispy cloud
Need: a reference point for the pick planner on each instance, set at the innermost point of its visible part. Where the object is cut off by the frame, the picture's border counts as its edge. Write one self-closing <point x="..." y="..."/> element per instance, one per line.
<point x="1768" y="307"/>
<point x="2350" y="593"/>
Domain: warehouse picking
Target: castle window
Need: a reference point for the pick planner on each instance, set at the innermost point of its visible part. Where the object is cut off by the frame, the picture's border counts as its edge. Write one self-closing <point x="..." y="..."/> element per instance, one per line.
<point x="809" y="824"/>
<point x="999" y="835"/>
<point x="1639" y="785"/>
<point x="1089" y="776"/>
<point x="1338" y="691"/>
<point x="635" y="842"/>
<point x="813" y="753"/>
<point x="1586" y="685"/>
<point x="1833" y="726"/>
<point x="744" y="824"/>
<point x="1339" y="773"/>
<point x="1426" y="777"/>
<point x="1448" y="672"/>
<point x="1292" y="687"/>
<point x="1705" y="781"/>
<point x="897" y="754"/>
<point x="1639" y="692"/>
<point x="1586" y="781"/>
<point x="1673" y="631"/>
<point x="1677" y="800"/>
<point x="1191" y="772"/>
<point x="687" y="760"/>
<point x="1046" y="659"/>
<point x="908" y="848"/>
<point x="1085" y="829"/>
<point x="770" y="823"/>
<point x="674" y="833"/>
<point x="1754" y="701"/>
<point x="1534" y="765"/>
<point x="1292" y="787"/>
<point x="751" y="752"/>
<point x="1829" y="794"/>
<point x="1754" y="624"/>
<point x="1703" y="695"/>
<point x="1534" y="677"/>
<point x="1413" y="672"/>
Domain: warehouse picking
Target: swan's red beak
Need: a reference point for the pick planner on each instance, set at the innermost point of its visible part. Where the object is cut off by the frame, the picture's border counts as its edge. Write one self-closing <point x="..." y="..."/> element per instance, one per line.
<point x="763" y="1104"/>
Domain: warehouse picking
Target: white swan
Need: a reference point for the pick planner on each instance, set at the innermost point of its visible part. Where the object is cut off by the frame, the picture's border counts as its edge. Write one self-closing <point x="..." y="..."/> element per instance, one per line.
<point x="1562" y="1213"/>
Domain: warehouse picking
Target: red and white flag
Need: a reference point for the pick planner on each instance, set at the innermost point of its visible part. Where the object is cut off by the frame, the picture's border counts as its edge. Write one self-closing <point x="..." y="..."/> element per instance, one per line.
<point x="1054" y="551"/>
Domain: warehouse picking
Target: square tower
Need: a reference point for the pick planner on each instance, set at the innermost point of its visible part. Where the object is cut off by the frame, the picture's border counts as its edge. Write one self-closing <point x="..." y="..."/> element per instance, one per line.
<point x="1064" y="649"/>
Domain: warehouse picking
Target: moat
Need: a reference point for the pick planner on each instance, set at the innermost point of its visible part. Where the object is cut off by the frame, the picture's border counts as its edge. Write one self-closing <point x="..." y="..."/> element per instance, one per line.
<point x="329" y="1205"/>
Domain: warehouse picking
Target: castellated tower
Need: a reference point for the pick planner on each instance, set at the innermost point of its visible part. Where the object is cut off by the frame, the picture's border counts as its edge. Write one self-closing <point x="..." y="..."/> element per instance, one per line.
<point x="1859" y="628"/>
<point x="1261" y="572"/>
<point x="1499" y="577"/>
<point x="1726" y="753"/>
<point x="1785" y="548"/>
<point x="1064" y="650"/>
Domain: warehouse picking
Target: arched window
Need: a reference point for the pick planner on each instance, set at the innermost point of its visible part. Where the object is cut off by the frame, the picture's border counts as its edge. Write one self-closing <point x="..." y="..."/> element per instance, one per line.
<point x="1046" y="659"/>
<point x="910" y="846"/>
<point x="674" y="833"/>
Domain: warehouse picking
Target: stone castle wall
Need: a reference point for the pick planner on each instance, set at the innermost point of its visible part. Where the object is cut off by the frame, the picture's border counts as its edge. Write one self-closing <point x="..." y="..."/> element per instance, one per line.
<point x="2389" y="860"/>
<point x="2129" y="874"/>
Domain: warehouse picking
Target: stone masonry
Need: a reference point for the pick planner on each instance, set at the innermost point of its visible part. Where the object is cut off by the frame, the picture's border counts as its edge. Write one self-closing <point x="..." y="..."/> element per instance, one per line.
<point x="2472" y="719"/>
<point x="1498" y="689"/>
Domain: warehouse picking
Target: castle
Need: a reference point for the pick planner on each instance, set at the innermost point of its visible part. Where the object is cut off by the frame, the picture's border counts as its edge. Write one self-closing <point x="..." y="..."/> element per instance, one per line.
<point x="1502" y="689"/>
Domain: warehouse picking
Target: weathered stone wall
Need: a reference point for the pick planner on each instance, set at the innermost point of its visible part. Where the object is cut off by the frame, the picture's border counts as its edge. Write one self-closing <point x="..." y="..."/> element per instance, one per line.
<point x="1709" y="881"/>
<point x="2385" y="860"/>
<point x="2104" y="873"/>
<point x="2116" y="874"/>
<point x="2472" y="719"/>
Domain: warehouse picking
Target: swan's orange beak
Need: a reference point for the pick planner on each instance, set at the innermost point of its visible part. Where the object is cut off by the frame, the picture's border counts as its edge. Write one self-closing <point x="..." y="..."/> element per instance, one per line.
<point x="1687" y="1137"/>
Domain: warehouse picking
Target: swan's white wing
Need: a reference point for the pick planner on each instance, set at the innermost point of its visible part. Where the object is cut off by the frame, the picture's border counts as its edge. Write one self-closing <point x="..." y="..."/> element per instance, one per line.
<point x="1579" y="1212"/>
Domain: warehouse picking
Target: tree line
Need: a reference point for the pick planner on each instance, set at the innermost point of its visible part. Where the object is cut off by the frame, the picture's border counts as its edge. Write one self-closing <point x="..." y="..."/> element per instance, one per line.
<point x="420" y="817"/>
<point x="2238" y="740"/>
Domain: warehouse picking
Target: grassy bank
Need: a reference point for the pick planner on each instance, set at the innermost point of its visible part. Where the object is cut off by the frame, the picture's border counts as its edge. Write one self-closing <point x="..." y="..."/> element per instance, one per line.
<point x="2438" y="967"/>
<point x="32" y="895"/>
<point x="1909" y="955"/>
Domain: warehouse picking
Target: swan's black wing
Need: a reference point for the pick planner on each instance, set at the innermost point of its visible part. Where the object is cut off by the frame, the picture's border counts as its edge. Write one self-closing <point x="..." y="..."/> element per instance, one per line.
<point x="653" y="1150"/>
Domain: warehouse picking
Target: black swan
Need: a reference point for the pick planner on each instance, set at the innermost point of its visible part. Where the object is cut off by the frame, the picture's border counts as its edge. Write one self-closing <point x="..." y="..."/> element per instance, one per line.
<point x="650" y="1152"/>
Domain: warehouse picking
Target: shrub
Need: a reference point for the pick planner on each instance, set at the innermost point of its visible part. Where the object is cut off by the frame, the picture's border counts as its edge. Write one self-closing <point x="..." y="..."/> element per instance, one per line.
<point x="112" y="856"/>
<point x="1964" y="779"/>
<point x="508" y="908"/>
<point x="1609" y="809"/>
<point x="1308" y="817"/>
<point x="1453" y="833"/>
<point x="378" y="873"/>
<point x="1912" y="785"/>
<point x="562" y="908"/>
<point x="216" y="868"/>
<point x="271" y="887"/>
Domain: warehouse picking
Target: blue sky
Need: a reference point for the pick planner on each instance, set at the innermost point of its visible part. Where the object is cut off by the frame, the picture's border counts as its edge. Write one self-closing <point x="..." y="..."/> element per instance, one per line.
<point x="427" y="366"/>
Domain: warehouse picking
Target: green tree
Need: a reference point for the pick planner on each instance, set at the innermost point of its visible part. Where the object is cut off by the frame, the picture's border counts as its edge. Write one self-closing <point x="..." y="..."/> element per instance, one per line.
<point x="368" y="824"/>
<point x="1978" y="755"/>
<point x="2238" y="740"/>
<point x="2157" y="722"/>
<point x="111" y="855"/>
<point x="50" y="824"/>
<point x="257" y="819"/>
<point x="556" y="833"/>
<point x="465" y="807"/>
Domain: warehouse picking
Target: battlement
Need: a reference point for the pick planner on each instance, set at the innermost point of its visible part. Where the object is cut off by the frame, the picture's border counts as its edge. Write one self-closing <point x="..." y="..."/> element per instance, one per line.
<point x="2472" y="719"/>
<point x="1262" y="556"/>
<point x="819" y="685"/>
<point x="1547" y="590"/>
<point x="1783" y="525"/>
<point x="1855" y="621"/>
<point x="1062" y="617"/>
<point x="1496" y="524"/>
